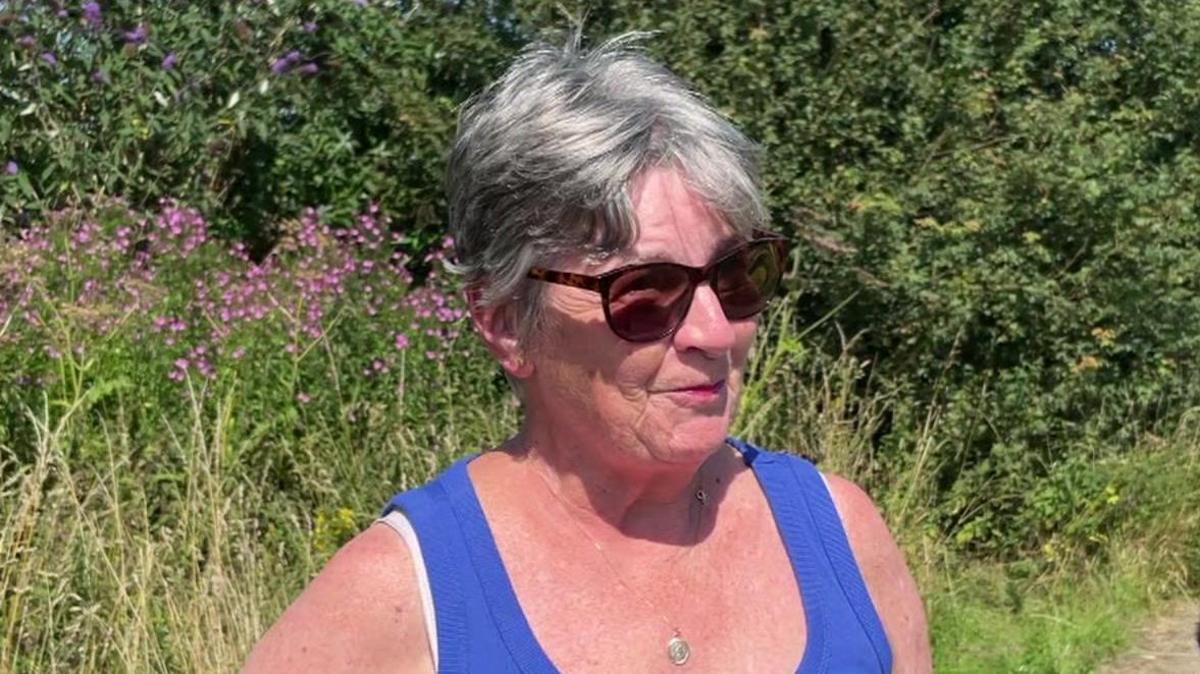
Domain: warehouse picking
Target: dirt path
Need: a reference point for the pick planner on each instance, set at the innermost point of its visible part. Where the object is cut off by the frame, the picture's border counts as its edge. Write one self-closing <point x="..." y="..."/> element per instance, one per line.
<point x="1167" y="645"/>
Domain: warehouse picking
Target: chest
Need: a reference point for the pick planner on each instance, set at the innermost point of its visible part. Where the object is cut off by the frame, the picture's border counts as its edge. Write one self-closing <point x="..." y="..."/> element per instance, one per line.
<point x="733" y="598"/>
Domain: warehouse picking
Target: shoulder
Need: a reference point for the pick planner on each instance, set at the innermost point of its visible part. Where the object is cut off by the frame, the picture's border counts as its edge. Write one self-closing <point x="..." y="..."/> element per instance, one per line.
<point x="889" y="582"/>
<point x="362" y="613"/>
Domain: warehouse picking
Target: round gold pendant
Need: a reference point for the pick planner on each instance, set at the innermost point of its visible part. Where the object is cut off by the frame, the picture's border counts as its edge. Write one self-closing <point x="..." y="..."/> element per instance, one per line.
<point x="678" y="650"/>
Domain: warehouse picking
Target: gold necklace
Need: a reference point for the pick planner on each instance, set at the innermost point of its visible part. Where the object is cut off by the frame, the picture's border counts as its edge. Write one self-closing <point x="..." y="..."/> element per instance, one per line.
<point x="679" y="651"/>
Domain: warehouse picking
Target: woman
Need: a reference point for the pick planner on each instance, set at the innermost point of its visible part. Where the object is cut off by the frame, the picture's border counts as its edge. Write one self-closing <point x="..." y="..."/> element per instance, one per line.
<point x="608" y="226"/>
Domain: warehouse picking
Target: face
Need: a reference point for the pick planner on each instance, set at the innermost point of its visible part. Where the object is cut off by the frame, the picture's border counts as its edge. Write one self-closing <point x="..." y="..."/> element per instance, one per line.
<point x="667" y="401"/>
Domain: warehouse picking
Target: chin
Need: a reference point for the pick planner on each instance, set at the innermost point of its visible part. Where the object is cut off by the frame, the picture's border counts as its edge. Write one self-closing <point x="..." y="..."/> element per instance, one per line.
<point x="692" y="441"/>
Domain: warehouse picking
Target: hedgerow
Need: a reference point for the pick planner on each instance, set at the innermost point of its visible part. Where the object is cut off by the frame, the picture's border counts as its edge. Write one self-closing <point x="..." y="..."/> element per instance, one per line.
<point x="998" y="201"/>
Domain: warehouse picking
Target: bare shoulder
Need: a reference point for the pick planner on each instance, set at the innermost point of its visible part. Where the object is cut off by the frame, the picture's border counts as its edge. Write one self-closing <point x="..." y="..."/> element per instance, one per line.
<point x="888" y="579"/>
<point x="362" y="613"/>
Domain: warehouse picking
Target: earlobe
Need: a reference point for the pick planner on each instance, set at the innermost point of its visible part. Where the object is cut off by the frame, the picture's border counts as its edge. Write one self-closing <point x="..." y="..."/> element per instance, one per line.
<point x="519" y="367"/>
<point x="498" y="326"/>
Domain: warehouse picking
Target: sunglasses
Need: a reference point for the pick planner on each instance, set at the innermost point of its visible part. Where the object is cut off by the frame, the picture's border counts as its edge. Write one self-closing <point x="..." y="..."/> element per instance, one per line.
<point x="647" y="302"/>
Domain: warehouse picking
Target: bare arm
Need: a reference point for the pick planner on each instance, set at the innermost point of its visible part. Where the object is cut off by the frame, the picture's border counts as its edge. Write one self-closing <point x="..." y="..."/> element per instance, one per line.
<point x="888" y="579"/>
<point x="362" y="613"/>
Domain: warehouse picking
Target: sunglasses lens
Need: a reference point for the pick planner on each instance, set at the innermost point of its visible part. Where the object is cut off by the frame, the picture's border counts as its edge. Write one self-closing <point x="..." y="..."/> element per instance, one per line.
<point x="747" y="280"/>
<point x="648" y="302"/>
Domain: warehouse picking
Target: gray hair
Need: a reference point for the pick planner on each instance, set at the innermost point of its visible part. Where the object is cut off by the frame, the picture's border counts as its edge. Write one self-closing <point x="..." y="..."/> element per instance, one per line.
<point x="544" y="157"/>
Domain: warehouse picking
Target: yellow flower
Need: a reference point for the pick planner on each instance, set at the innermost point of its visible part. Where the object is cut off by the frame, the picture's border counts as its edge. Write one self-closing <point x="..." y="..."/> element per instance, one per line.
<point x="332" y="529"/>
<point x="1086" y="364"/>
<point x="1105" y="336"/>
<point x="1111" y="495"/>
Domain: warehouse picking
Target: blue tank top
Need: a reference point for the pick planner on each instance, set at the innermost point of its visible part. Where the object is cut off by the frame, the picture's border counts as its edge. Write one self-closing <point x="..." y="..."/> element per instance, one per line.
<point x="481" y="628"/>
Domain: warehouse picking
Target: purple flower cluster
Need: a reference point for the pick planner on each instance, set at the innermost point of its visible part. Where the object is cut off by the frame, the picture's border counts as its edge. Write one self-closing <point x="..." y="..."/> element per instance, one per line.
<point x="178" y="230"/>
<point x="33" y="267"/>
<point x="18" y="278"/>
<point x="91" y="14"/>
<point x="286" y="62"/>
<point x="196" y="360"/>
<point x="291" y="61"/>
<point x="198" y="308"/>
<point x="138" y="35"/>
<point x="170" y="326"/>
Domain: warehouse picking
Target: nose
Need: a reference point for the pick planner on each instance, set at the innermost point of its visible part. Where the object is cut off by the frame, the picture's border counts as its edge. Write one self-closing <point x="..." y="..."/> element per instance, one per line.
<point x="705" y="326"/>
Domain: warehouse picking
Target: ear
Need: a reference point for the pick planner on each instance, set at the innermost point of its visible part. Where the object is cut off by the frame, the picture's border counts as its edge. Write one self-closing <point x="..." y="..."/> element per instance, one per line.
<point x="498" y="326"/>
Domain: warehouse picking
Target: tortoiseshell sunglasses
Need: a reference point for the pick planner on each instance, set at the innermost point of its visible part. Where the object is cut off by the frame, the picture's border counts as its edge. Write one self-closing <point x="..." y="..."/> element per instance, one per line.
<point x="647" y="302"/>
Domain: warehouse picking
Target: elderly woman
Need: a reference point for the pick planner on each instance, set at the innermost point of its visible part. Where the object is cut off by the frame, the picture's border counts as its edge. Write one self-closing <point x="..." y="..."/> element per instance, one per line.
<point x="609" y="226"/>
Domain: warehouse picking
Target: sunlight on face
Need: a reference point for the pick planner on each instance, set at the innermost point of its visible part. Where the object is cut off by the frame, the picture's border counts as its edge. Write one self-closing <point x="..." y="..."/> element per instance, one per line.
<point x="670" y="400"/>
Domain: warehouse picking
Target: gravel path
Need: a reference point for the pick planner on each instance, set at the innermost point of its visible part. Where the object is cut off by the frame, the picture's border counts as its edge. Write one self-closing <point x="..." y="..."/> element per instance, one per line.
<point x="1167" y="645"/>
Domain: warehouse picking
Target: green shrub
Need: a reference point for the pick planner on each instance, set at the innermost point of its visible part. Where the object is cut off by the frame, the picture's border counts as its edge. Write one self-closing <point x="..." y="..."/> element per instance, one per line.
<point x="1000" y="212"/>
<point x="249" y="111"/>
<point x="998" y="203"/>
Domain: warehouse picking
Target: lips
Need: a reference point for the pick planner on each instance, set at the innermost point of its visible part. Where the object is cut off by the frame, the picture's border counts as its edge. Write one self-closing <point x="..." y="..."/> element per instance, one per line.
<point x="710" y="388"/>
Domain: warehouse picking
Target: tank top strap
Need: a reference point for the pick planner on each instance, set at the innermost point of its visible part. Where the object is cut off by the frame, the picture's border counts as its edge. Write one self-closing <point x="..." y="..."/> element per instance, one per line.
<point x="443" y="551"/>
<point x="832" y="532"/>
<point x="805" y="512"/>
<point x="498" y="597"/>
<point x="480" y="625"/>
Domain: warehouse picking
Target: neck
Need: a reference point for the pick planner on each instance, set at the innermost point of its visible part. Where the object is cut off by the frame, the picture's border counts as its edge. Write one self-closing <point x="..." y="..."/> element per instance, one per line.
<point x="624" y="492"/>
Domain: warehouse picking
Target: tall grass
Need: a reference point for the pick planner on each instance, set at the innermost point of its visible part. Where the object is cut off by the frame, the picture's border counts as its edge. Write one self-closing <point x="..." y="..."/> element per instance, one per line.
<point x="1066" y="611"/>
<point x="93" y="582"/>
<point x="100" y="571"/>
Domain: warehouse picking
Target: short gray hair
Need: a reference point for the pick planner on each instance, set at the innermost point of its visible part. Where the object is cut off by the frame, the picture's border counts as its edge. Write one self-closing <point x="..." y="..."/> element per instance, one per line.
<point x="544" y="157"/>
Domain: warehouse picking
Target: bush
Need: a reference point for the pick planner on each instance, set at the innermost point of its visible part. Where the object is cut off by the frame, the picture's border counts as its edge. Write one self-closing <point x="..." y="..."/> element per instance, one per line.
<point x="248" y="111"/>
<point x="998" y="202"/>
<point x="1000" y="209"/>
<point x="139" y="316"/>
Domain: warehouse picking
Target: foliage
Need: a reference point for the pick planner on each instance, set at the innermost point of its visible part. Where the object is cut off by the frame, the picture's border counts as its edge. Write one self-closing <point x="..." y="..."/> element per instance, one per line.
<point x="154" y="524"/>
<point x="186" y="434"/>
<point x="142" y="313"/>
<point x="248" y="111"/>
<point x="998" y="200"/>
<point x="215" y="360"/>
<point x="1064" y="610"/>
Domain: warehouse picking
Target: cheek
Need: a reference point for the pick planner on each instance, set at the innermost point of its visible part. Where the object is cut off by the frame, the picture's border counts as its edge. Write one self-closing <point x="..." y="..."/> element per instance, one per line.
<point x="744" y="336"/>
<point x="633" y="371"/>
<point x="744" y="333"/>
<point x="588" y="367"/>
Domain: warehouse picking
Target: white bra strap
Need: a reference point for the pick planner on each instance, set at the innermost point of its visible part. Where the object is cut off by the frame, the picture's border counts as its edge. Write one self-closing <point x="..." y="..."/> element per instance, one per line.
<point x="833" y="500"/>
<point x="399" y="523"/>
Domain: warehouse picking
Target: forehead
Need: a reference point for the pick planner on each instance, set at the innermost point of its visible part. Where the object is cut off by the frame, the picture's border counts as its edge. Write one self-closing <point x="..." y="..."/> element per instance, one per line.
<point x="674" y="223"/>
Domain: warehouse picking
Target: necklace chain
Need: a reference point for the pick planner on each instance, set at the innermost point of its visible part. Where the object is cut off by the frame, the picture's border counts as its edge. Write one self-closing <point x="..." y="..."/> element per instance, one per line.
<point x="679" y="651"/>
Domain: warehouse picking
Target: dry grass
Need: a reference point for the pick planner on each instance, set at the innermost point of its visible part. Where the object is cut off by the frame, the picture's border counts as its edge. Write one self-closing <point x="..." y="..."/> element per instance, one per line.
<point x="91" y="582"/>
